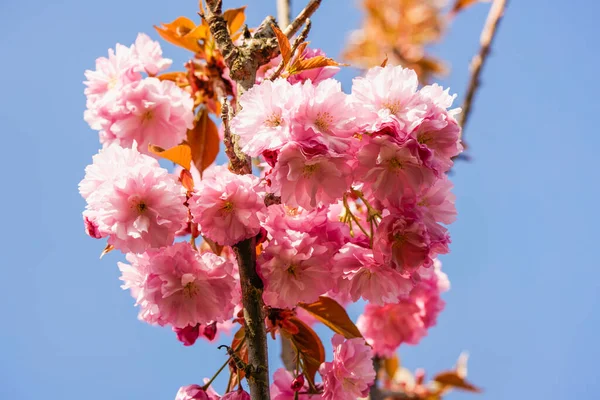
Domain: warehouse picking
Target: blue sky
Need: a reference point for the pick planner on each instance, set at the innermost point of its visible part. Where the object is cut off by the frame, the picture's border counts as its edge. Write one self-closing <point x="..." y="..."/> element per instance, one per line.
<point x="525" y="278"/>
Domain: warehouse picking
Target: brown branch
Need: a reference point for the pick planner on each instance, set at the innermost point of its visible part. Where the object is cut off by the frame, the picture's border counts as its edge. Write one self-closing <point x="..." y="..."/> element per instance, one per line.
<point x="308" y="11"/>
<point x="284" y="12"/>
<point x="487" y="37"/>
<point x="375" y="392"/>
<point x="238" y="160"/>
<point x="301" y="38"/>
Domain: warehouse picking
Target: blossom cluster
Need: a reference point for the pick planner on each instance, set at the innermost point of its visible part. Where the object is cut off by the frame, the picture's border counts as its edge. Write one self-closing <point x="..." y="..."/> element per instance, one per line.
<point x="126" y="107"/>
<point x="362" y="200"/>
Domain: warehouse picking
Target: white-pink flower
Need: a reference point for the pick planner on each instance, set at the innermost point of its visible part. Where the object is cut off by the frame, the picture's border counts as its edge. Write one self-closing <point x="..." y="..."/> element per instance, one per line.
<point x="191" y="392"/>
<point x="407" y="240"/>
<point x="388" y="95"/>
<point x="264" y="123"/>
<point x="392" y="169"/>
<point x="351" y="373"/>
<point x="437" y="201"/>
<point x="134" y="201"/>
<point x="227" y="206"/>
<point x="111" y="73"/>
<point x="359" y="275"/>
<point x="325" y="116"/>
<point x="176" y="285"/>
<point x="294" y="268"/>
<point x="407" y="321"/>
<point x="281" y="388"/>
<point x="148" y="55"/>
<point x="149" y="112"/>
<point x="309" y="177"/>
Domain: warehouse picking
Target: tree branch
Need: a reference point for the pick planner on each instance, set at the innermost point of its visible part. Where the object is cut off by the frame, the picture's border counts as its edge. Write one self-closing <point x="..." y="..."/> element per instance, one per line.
<point x="375" y="392"/>
<point x="487" y="37"/>
<point x="284" y="12"/>
<point x="308" y="11"/>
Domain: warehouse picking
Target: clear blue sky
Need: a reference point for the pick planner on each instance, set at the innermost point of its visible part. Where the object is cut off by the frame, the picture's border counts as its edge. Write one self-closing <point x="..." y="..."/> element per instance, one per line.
<point x="525" y="277"/>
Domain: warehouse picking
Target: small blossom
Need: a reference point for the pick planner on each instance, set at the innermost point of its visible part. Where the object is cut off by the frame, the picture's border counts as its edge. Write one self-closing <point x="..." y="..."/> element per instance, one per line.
<point x="177" y="285"/>
<point x="148" y="55"/>
<point x="227" y="206"/>
<point x="281" y="388"/>
<point x="325" y="117"/>
<point x="187" y="335"/>
<point x="305" y="178"/>
<point x="388" y="95"/>
<point x="137" y="206"/>
<point x="149" y="112"/>
<point x="408" y="241"/>
<point x="264" y="123"/>
<point x="294" y="268"/>
<point x="361" y="276"/>
<point x="191" y="392"/>
<point x="351" y="373"/>
<point x="407" y="321"/>
<point x="390" y="168"/>
<point x="236" y="395"/>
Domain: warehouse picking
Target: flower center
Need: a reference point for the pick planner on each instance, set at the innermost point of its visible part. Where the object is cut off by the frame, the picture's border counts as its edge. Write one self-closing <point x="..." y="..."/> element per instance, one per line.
<point x="395" y="164"/>
<point x="324" y="121"/>
<point x="274" y="120"/>
<point x="112" y="82"/>
<point x="425" y="137"/>
<point x="310" y="169"/>
<point x="141" y="207"/>
<point x="147" y="116"/>
<point x="292" y="270"/>
<point x="227" y="207"/>
<point x="190" y="290"/>
<point x="394" y="106"/>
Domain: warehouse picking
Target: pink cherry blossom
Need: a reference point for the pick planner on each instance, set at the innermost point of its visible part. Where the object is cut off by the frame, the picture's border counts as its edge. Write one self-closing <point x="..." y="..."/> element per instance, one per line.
<point x="239" y="394"/>
<point x="294" y="268"/>
<point x="437" y="201"/>
<point x="149" y="112"/>
<point x="111" y="73"/>
<point x="227" y="206"/>
<point x="139" y="206"/>
<point x="408" y="241"/>
<point x="351" y="373"/>
<point x="325" y="116"/>
<point x="407" y="321"/>
<point x="308" y="177"/>
<point x="281" y="388"/>
<point x="148" y="55"/>
<point x="177" y="285"/>
<point x="191" y="392"/>
<point x="264" y="123"/>
<point x="388" y="95"/>
<point x="390" y="168"/>
<point x="361" y="276"/>
<point x="188" y="334"/>
<point x="107" y="165"/>
<point x="440" y="137"/>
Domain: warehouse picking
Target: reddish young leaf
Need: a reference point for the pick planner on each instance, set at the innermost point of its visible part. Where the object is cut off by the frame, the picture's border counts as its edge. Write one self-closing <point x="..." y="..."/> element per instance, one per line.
<point x="391" y="366"/>
<point x="450" y="379"/>
<point x="176" y="77"/>
<point x="460" y="5"/>
<point x="186" y="179"/>
<point x="329" y="312"/>
<point x="204" y="141"/>
<point x="315" y="62"/>
<point x="183" y="32"/>
<point x="309" y="347"/>
<point x="235" y="19"/>
<point x="180" y="154"/>
<point x="384" y="62"/>
<point x="107" y="249"/>
<point x="284" y="44"/>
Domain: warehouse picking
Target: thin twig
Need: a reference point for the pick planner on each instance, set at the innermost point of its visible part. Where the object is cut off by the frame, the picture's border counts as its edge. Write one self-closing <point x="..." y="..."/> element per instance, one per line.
<point x="308" y="11"/>
<point x="238" y="162"/>
<point x="487" y="37"/>
<point x="284" y="12"/>
<point x="301" y="38"/>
